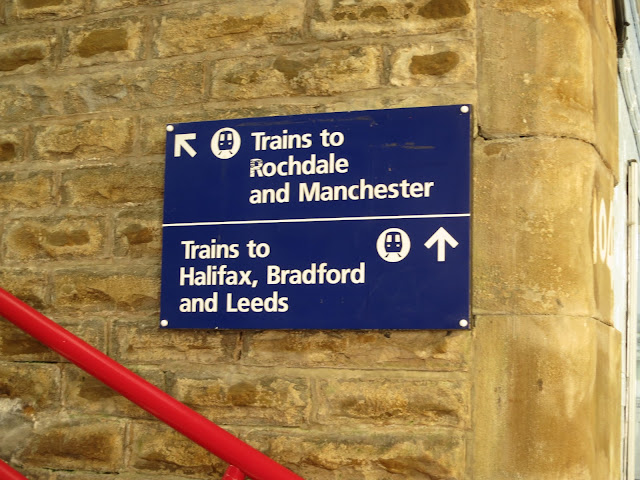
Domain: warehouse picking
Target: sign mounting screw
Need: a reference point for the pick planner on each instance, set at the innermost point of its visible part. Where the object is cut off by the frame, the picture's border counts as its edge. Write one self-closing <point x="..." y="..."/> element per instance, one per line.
<point x="463" y="323"/>
<point x="464" y="109"/>
<point x="164" y="323"/>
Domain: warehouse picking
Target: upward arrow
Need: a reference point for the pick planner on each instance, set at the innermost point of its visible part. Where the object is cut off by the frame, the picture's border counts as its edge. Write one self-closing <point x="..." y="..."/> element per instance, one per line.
<point x="181" y="143"/>
<point x="441" y="237"/>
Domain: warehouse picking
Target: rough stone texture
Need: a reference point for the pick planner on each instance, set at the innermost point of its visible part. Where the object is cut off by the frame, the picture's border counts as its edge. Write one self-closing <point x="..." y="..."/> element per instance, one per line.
<point x="542" y="238"/>
<point x="26" y="52"/>
<point x="553" y="368"/>
<point x="17" y="346"/>
<point x="449" y="61"/>
<point x="139" y="233"/>
<point x="47" y="9"/>
<point x="119" y="476"/>
<point x="11" y="146"/>
<point x="16" y="422"/>
<point x="93" y="139"/>
<point x="109" y="5"/>
<point x="537" y="91"/>
<point x="244" y="399"/>
<point x="142" y="344"/>
<point x="25" y="100"/>
<point x="389" y="400"/>
<point x="111" y="185"/>
<point x="88" y="445"/>
<point x="541" y="92"/>
<point x="318" y="72"/>
<point x="107" y="41"/>
<point x="25" y="190"/>
<point x="229" y="25"/>
<point x="28" y="285"/>
<point x="107" y="289"/>
<point x="53" y="238"/>
<point x="334" y="20"/>
<point x="433" y="351"/>
<point x="35" y="386"/>
<point x="377" y="455"/>
<point x="133" y="88"/>
<point x="158" y="449"/>
<point x="83" y="393"/>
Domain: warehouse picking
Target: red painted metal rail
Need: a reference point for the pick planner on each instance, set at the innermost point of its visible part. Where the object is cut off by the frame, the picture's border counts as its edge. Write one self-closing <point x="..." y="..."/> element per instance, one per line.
<point x="8" y="473"/>
<point x="243" y="459"/>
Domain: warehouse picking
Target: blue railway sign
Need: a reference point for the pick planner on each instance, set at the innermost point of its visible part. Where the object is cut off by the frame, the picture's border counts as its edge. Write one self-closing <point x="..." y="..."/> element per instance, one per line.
<point x="350" y="220"/>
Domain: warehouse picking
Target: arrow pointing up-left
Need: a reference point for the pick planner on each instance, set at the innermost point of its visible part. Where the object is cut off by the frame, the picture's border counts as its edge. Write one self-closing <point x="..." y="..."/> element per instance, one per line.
<point x="182" y="143"/>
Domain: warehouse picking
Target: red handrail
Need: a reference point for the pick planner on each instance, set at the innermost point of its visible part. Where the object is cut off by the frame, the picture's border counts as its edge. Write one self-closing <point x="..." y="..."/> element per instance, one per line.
<point x="8" y="473"/>
<point x="166" y="408"/>
<point x="233" y="473"/>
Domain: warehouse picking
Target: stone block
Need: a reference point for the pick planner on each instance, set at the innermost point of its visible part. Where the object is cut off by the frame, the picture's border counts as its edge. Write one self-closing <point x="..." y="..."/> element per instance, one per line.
<point x="538" y="389"/>
<point x="106" y="41"/>
<point x="535" y="76"/>
<point x="84" y="394"/>
<point x="119" y="476"/>
<point x="20" y="190"/>
<point x="449" y="61"/>
<point x="111" y="185"/>
<point x="28" y="285"/>
<point x="246" y="399"/>
<point x="157" y="450"/>
<point x="109" y="5"/>
<point x="408" y="454"/>
<point x="237" y="24"/>
<point x="605" y="81"/>
<point x="51" y="238"/>
<point x="26" y="99"/>
<point x="318" y="72"/>
<point x="106" y="289"/>
<point x="93" y="139"/>
<point x="426" y="350"/>
<point x="16" y="425"/>
<point x="33" y="473"/>
<point x="27" y="51"/>
<point x="17" y="346"/>
<point x="47" y="9"/>
<point x="35" y="386"/>
<point x="134" y="88"/>
<point x="37" y="473"/>
<point x="139" y="233"/>
<point x="12" y="141"/>
<point x="533" y="235"/>
<point x="145" y="343"/>
<point x="81" y="444"/>
<point x="338" y="20"/>
<point x="405" y="97"/>
<point x="399" y="400"/>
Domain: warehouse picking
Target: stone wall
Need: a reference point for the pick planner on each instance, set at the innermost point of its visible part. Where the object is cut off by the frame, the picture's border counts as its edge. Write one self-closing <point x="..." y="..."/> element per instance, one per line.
<point x="86" y="88"/>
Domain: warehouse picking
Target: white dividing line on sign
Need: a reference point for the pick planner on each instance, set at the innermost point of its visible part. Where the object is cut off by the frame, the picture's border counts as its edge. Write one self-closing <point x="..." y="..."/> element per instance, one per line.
<point x="308" y="220"/>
